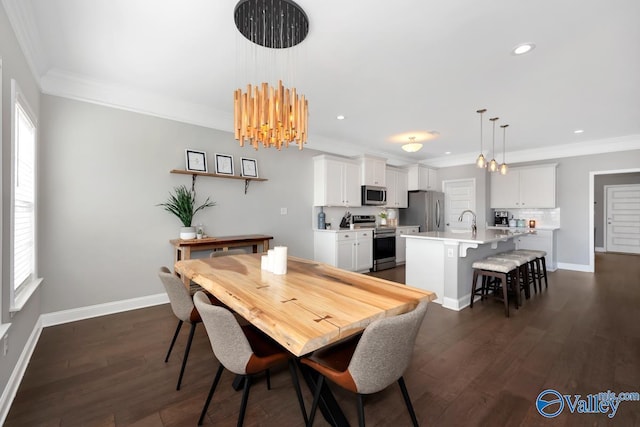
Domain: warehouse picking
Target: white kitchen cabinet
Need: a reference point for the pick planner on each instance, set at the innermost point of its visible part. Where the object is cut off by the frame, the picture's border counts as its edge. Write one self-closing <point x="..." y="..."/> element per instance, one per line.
<point x="542" y="240"/>
<point x="350" y="250"/>
<point x="397" y="187"/>
<point x="423" y="178"/>
<point x="401" y="242"/>
<point x="373" y="170"/>
<point x="527" y="187"/>
<point x="336" y="181"/>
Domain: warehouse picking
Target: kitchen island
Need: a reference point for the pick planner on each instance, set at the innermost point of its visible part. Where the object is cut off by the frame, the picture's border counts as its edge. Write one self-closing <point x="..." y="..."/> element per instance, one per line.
<point x="441" y="261"/>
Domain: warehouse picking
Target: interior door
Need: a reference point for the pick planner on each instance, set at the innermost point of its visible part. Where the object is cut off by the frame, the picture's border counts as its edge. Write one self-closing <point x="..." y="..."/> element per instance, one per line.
<point x="623" y="218"/>
<point x="458" y="196"/>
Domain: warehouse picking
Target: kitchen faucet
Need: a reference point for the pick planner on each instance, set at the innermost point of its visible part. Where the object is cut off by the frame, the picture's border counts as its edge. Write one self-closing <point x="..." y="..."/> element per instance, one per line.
<point x="474" y="228"/>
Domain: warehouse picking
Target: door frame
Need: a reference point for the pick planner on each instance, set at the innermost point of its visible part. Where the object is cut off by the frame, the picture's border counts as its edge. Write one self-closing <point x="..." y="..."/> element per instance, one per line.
<point x="591" y="225"/>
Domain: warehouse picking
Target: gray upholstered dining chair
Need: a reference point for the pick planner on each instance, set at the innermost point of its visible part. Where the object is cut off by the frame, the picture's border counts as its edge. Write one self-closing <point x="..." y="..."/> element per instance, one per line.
<point x="183" y="308"/>
<point x="243" y="350"/>
<point x="371" y="362"/>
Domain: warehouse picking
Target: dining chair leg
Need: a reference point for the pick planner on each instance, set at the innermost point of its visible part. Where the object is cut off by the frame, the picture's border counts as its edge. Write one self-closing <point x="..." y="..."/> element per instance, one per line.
<point x="360" y="410"/>
<point x="213" y="388"/>
<point x="407" y="401"/>
<point x="186" y="354"/>
<point x="245" y="399"/>
<point x="268" y="375"/>
<point x="296" y="385"/>
<point x="173" y="341"/>
<point x="316" y="399"/>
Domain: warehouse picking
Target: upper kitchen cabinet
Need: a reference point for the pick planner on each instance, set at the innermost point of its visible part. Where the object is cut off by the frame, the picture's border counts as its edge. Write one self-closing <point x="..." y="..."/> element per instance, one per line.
<point x="336" y="181"/>
<point x="397" y="187"/>
<point x="526" y="187"/>
<point x="373" y="170"/>
<point x="422" y="178"/>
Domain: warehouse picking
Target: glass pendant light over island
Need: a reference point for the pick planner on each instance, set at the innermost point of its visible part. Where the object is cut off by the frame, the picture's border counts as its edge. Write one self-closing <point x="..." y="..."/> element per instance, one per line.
<point x="481" y="161"/>
<point x="503" y="166"/>
<point x="493" y="164"/>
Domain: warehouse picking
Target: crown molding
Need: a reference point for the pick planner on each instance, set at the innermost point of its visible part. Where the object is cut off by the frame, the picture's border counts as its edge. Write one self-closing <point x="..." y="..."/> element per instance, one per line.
<point x="60" y="83"/>
<point x="67" y="85"/>
<point x="22" y="19"/>
<point x="584" y="148"/>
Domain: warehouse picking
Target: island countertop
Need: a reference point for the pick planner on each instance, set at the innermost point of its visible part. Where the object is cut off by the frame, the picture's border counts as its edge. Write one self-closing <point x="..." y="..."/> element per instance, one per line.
<point x="483" y="236"/>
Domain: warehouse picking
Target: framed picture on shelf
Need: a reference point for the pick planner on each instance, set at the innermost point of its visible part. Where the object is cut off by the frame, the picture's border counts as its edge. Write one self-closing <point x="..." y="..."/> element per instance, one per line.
<point x="249" y="167"/>
<point x="196" y="160"/>
<point x="224" y="164"/>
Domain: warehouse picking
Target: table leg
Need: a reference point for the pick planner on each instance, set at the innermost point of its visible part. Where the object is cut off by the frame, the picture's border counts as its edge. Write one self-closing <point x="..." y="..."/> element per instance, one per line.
<point x="255" y="248"/>
<point x="327" y="405"/>
<point x="265" y="245"/>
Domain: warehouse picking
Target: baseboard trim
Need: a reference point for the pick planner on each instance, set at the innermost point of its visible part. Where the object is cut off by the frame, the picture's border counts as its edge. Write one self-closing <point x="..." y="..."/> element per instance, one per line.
<point x="75" y="314"/>
<point x="575" y="267"/>
<point x="598" y="249"/>
<point x="10" y="390"/>
<point x="456" y="304"/>
<point x="60" y="317"/>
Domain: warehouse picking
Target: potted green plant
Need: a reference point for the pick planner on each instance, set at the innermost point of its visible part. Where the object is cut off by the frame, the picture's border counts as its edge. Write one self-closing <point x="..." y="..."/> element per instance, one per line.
<point x="182" y="203"/>
<point x="383" y="217"/>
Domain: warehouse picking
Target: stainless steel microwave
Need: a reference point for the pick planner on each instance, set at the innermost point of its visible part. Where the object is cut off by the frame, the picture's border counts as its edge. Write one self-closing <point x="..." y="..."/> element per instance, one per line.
<point x="374" y="196"/>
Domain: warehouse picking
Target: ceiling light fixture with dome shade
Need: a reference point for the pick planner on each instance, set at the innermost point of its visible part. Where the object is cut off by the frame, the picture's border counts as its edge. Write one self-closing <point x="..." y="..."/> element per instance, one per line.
<point x="481" y="162"/>
<point x="263" y="114"/>
<point x="503" y="167"/>
<point x="493" y="164"/>
<point x="413" y="146"/>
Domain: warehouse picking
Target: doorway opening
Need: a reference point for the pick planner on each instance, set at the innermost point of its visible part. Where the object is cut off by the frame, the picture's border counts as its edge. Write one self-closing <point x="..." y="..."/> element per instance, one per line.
<point x="597" y="199"/>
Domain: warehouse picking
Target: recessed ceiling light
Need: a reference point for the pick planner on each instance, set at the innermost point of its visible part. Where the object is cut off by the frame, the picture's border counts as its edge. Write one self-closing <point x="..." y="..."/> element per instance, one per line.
<point x="578" y="131"/>
<point x="447" y="152"/>
<point x="523" y="48"/>
<point x="340" y="117"/>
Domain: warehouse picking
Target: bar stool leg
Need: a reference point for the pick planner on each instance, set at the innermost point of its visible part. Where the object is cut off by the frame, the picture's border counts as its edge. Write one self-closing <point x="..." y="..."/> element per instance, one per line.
<point x="473" y="287"/>
<point x="544" y="273"/>
<point x="503" y="279"/>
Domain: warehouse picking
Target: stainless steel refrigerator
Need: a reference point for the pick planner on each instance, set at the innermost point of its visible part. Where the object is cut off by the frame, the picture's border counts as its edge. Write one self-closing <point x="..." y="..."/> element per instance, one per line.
<point x="426" y="209"/>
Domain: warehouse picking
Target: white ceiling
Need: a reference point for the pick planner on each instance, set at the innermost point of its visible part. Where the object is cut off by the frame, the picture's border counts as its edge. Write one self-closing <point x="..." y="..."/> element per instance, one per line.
<point x="392" y="68"/>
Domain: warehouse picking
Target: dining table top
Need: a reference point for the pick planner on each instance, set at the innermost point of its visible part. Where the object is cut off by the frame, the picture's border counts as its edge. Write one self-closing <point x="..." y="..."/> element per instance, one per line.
<point x="309" y="307"/>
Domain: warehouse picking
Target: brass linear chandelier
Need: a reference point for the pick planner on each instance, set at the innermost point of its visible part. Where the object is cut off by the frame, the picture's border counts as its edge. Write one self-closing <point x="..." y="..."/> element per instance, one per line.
<point x="263" y="114"/>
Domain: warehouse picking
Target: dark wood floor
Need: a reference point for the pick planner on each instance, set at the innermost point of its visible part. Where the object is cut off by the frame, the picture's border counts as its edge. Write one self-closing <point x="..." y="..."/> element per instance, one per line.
<point x="473" y="367"/>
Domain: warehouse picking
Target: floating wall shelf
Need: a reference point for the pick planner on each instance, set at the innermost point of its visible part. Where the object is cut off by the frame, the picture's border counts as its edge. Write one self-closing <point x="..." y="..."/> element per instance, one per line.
<point x="194" y="174"/>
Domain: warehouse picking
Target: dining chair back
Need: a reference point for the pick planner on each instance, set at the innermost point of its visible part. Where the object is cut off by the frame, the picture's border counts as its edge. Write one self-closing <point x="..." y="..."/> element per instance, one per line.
<point x="243" y="350"/>
<point x="183" y="308"/>
<point x="375" y="361"/>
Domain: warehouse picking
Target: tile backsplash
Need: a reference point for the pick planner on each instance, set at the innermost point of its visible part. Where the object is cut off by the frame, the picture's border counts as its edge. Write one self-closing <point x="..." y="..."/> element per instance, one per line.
<point x="543" y="217"/>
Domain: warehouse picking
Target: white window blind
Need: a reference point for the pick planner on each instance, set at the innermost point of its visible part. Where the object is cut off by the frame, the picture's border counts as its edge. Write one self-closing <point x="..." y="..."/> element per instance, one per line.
<point x="23" y="197"/>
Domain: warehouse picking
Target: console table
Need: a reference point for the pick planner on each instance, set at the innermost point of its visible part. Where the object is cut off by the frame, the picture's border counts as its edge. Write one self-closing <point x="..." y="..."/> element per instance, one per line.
<point x="183" y="248"/>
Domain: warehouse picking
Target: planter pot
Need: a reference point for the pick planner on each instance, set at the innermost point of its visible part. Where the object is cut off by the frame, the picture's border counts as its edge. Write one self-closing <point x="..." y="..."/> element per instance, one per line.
<point x="187" y="233"/>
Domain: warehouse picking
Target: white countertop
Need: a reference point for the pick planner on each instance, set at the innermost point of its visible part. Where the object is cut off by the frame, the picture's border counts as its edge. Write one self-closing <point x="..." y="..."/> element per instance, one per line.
<point x="481" y="237"/>
<point x="541" y="227"/>
<point x="343" y="230"/>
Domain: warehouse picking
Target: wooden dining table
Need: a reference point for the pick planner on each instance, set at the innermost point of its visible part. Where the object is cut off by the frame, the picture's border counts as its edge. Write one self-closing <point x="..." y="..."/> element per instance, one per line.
<point x="311" y="306"/>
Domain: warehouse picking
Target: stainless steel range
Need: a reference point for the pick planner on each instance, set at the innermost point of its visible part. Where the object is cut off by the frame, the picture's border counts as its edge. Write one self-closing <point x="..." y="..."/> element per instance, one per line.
<point x="384" y="242"/>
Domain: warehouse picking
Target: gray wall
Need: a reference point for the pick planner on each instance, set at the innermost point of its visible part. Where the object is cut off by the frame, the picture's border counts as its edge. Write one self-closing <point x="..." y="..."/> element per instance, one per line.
<point x="103" y="173"/>
<point x="482" y="187"/>
<point x="599" y="199"/>
<point x="14" y="66"/>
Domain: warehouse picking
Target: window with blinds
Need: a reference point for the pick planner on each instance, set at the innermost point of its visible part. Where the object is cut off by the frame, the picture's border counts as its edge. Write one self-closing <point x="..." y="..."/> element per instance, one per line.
<point x="24" y="192"/>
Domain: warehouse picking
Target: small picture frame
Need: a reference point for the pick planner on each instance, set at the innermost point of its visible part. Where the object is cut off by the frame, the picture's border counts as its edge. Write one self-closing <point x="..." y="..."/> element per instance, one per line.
<point x="224" y="164"/>
<point x="249" y="167"/>
<point x="196" y="160"/>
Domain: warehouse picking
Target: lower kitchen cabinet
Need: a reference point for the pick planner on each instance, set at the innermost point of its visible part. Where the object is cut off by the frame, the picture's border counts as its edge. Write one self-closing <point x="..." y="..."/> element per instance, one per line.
<point x="349" y="249"/>
<point x="542" y="240"/>
<point x="401" y="242"/>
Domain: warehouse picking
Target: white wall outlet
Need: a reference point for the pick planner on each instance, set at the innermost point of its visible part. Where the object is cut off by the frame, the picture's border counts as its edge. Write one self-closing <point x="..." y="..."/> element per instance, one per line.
<point x="5" y="345"/>
<point x="450" y="252"/>
<point x="283" y="211"/>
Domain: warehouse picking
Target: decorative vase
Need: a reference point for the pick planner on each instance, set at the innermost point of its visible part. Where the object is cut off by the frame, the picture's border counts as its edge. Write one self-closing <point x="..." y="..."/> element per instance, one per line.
<point x="187" y="233"/>
<point x="383" y="221"/>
